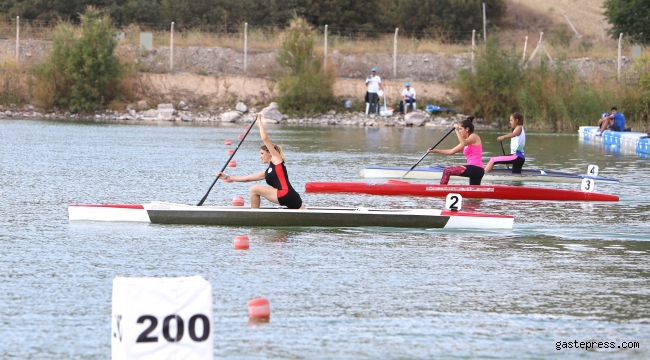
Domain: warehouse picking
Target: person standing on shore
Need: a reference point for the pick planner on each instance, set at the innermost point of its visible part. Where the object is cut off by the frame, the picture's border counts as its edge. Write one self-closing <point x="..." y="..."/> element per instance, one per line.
<point x="374" y="85"/>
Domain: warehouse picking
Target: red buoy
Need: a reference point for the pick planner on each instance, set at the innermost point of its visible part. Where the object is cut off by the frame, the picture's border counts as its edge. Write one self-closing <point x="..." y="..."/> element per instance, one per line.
<point x="232" y="163"/>
<point x="238" y="201"/>
<point x="248" y="127"/>
<point x="227" y="142"/>
<point x="259" y="309"/>
<point x="241" y="242"/>
<point x="240" y="136"/>
<point x="231" y="151"/>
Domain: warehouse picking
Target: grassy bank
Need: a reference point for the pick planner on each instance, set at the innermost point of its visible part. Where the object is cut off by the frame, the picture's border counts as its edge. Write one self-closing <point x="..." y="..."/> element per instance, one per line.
<point x="550" y="95"/>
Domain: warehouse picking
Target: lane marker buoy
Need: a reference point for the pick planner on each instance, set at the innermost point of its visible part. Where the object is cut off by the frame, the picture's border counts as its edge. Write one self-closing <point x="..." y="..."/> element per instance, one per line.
<point x="227" y="142"/>
<point x="231" y="151"/>
<point x="259" y="308"/>
<point x="238" y="201"/>
<point x="241" y="242"/>
<point x="240" y="136"/>
<point x="232" y="163"/>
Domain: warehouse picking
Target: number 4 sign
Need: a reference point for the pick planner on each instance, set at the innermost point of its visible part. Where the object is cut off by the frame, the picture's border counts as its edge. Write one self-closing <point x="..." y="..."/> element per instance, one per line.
<point x="162" y="318"/>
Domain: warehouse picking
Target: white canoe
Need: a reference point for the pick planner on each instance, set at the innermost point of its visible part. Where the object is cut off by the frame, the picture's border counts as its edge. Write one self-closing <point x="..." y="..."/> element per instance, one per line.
<point x="170" y="213"/>
<point x="435" y="173"/>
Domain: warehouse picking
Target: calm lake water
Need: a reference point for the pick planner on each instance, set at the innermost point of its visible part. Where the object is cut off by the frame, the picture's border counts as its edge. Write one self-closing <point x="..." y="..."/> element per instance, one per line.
<point x="567" y="271"/>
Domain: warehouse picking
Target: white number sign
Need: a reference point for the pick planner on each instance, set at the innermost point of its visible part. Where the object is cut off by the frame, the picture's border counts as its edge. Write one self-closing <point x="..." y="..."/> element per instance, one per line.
<point x="592" y="170"/>
<point x="162" y="318"/>
<point x="587" y="185"/>
<point x="454" y="202"/>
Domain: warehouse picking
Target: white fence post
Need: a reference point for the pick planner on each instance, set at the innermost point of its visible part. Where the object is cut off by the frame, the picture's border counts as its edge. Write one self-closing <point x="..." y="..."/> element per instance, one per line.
<point x="325" y="59"/>
<point x="171" y="49"/>
<point x="572" y="27"/>
<point x="17" y="38"/>
<point x="620" y="42"/>
<point x="395" y="54"/>
<point x="484" y="24"/>
<point x="602" y="31"/>
<point x="245" y="46"/>
<point x="473" y="46"/>
<point x="525" y="45"/>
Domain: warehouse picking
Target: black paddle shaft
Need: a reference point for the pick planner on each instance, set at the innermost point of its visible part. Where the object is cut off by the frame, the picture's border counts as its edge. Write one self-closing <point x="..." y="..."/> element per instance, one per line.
<point x="504" y="153"/>
<point x="226" y="164"/>
<point x="427" y="153"/>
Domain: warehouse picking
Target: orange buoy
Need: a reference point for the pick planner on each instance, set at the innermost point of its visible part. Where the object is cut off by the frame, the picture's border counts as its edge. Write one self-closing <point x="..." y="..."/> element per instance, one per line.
<point x="259" y="309"/>
<point x="240" y="136"/>
<point x="248" y="127"/>
<point x="227" y="142"/>
<point x="238" y="201"/>
<point x="241" y="242"/>
<point x="231" y="151"/>
<point x="232" y="163"/>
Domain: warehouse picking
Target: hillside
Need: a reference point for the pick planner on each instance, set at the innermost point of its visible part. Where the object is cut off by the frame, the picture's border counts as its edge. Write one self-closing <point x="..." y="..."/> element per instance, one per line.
<point x="544" y="15"/>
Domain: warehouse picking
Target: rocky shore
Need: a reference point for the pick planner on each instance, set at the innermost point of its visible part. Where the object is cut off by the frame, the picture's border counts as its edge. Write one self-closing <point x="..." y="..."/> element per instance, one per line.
<point x="183" y="112"/>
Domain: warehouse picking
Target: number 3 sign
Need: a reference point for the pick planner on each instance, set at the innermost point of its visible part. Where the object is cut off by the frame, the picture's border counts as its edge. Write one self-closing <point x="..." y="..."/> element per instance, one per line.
<point x="162" y="318"/>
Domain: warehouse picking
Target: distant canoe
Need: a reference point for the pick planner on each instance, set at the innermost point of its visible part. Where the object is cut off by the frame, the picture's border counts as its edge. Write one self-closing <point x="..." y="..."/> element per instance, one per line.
<point x="435" y="173"/>
<point x="169" y="213"/>
<point x="394" y="187"/>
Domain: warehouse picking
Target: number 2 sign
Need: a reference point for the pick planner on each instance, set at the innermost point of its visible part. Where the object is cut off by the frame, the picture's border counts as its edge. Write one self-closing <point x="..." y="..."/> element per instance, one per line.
<point x="162" y="318"/>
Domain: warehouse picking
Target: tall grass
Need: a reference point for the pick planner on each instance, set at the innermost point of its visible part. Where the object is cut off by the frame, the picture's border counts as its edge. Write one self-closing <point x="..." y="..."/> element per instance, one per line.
<point x="13" y="86"/>
<point x="550" y="95"/>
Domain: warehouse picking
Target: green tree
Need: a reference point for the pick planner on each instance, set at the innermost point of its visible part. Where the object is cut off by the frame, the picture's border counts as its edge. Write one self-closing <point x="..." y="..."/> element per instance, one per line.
<point x="306" y="87"/>
<point x="81" y="72"/>
<point x="630" y="17"/>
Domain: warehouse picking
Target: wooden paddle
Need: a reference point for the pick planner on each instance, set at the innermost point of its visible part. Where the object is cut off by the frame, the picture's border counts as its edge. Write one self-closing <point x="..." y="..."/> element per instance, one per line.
<point x="504" y="153"/>
<point x="227" y="161"/>
<point x="427" y="153"/>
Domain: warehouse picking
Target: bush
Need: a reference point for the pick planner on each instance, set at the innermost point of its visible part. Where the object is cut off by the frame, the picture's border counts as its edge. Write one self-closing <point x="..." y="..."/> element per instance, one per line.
<point x="305" y="87"/>
<point x="82" y="72"/>
<point x="490" y="90"/>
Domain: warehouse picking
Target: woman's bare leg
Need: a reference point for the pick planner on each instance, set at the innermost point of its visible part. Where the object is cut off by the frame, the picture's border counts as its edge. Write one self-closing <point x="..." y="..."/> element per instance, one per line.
<point x="489" y="167"/>
<point x="266" y="192"/>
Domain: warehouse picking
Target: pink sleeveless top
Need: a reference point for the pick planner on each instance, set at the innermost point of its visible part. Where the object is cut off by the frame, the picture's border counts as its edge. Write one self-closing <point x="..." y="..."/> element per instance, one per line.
<point x="474" y="155"/>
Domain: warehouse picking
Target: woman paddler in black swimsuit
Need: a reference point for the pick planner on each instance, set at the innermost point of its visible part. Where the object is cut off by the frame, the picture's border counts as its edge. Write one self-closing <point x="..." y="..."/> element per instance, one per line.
<point x="280" y="190"/>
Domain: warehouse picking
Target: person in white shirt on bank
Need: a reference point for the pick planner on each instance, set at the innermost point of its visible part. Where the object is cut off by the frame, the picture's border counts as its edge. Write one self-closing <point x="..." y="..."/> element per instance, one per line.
<point x="408" y="98"/>
<point x="374" y="85"/>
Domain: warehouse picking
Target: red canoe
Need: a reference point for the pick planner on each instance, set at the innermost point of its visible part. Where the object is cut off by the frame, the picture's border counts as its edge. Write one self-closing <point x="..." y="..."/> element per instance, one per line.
<point x="393" y="187"/>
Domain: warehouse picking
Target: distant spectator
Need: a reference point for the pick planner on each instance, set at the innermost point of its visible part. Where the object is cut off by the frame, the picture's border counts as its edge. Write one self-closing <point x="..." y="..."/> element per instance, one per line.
<point x="374" y="85"/>
<point x="614" y="122"/>
<point x="408" y="98"/>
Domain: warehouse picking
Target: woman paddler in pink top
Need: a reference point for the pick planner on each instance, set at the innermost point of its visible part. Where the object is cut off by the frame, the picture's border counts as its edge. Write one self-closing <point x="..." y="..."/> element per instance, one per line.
<point x="470" y="145"/>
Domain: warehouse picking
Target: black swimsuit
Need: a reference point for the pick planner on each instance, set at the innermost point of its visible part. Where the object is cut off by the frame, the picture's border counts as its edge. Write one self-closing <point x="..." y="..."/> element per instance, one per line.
<point x="276" y="176"/>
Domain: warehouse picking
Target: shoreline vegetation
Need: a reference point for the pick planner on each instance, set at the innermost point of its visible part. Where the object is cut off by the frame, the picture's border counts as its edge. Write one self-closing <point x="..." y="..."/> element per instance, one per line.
<point x="85" y="75"/>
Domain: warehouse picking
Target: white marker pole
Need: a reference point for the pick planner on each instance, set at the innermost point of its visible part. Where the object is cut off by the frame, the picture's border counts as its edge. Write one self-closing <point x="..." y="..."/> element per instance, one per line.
<point x="525" y="45"/>
<point x="395" y="54"/>
<point x="620" y="42"/>
<point x="171" y="49"/>
<point x="325" y="58"/>
<point x="245" y="46"/>
<point x="484" y="24"/>
<point x="17" y="38"/>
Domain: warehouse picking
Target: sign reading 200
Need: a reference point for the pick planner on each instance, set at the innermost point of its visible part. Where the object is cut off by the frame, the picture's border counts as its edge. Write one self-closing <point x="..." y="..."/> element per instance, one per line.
<point x="180" y="328"/>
